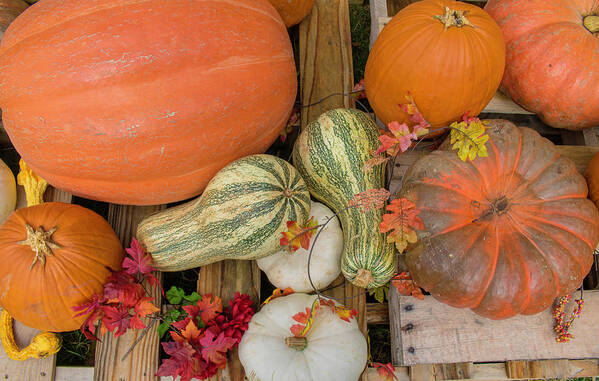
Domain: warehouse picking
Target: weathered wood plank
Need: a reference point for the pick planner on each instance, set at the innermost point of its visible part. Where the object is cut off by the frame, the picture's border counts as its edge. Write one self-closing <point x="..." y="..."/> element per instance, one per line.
<point x="325" y="59"/>
<point x="443" y="334"/>
<point x="224" y="279"/>
<point x="32" y="369"/>
<point x="377" y="313"/>
<point x="143" y="362"/>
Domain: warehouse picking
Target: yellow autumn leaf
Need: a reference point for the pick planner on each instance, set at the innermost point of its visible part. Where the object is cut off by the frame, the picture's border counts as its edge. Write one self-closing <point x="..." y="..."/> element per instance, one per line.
<point x="469" y="138"/>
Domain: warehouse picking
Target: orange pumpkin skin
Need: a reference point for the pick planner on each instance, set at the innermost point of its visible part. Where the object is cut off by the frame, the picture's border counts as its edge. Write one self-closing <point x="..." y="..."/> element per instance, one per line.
<point x="43" y="297"/>
<point x="293" y="11"/>
<point x="592" y="176"/>
<point x="142" y="102"/>
<point x="506" y="234"/>
<point x="448" y="72"/>
<point x="551" y="59"/>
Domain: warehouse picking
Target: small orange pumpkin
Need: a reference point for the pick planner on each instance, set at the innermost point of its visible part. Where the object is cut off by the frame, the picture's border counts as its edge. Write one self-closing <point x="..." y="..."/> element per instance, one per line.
<point x="54" y="257"/>
<point x="293" y="11"/>
<point x="448" y="55"/>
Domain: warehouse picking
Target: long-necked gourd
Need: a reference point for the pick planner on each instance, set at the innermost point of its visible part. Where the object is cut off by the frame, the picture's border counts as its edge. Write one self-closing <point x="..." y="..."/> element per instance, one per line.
<point x="240" y="215"/>
<point x="330" y="154"/>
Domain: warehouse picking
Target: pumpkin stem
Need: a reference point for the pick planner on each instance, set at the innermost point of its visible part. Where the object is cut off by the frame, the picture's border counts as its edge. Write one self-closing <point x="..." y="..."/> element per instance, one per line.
<point x="297" y="343"/>
<point x="363" y="278"/>
<point x="41" y="242"/>
<point x="454" y="18"/>
<point x="42" y="345"/>
<point x="591" y="22"/>
<point x="34" y="185"/>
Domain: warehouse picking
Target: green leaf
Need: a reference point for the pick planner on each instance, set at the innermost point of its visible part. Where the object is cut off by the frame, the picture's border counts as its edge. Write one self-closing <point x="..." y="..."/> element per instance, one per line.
<point x="191" y="299"/>
<point x="163" y="328"/>
<point x="175" y="295"/>
<point x="172" y="315"/>
<point x="201" y="323"/>
<point x="380" y="293"/>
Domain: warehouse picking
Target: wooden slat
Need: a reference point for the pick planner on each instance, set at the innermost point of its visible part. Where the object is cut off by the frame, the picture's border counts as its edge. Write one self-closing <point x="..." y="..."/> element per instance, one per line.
<point x="443" y="334"/>
<point x="143" y="362"/>
<point x="325" y="59"/>
<point x="224" y="279"/>
<point x="32" y="369"/>
<point x="377" y="313"/>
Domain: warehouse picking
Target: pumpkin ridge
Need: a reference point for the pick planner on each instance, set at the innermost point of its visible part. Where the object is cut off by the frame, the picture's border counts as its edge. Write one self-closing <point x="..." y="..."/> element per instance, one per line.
<point x="529" y="181"/>
<point x="554" y="224"/>
<point x="83" y="269"/>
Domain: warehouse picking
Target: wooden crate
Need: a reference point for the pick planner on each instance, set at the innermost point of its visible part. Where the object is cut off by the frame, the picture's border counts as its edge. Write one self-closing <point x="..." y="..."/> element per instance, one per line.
<point x="326" y="32"/>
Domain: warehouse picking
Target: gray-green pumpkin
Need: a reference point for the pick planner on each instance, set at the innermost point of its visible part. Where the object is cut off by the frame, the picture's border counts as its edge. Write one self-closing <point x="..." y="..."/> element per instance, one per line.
<point x="330" y="154"/>
<point x="240" y="215"/>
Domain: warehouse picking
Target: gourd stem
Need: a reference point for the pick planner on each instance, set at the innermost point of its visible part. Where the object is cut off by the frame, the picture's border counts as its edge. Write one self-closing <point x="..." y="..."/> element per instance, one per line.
<point x="42" y="345"/>
<point x="454" y="18"/>
<point x="297" y="343"/>
<point x="34" y="185"/>
<point x="591" y="22"/>
<point x="363" y="278"/>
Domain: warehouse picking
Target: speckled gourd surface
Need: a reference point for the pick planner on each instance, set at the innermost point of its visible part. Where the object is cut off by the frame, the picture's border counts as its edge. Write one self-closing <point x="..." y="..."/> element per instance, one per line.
<point x="330" y="154"/>
<point x="240" y="215"/>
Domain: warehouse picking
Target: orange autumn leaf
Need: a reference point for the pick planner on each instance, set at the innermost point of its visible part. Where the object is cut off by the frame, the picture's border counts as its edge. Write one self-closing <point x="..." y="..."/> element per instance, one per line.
<point x="297" y="236"/>
<point x="209" y="306"/>
<point x="277" y="293"/>
<point x="404" y="284"/>
<point x="145" y="307"/>
<point x="190" y="333"/>
<point x="345" y="313"/>
<point x="376" y="160"/>
<point x="401" y="223"/>
<point x="385" y="371"/>
<point x="410" y="108"/>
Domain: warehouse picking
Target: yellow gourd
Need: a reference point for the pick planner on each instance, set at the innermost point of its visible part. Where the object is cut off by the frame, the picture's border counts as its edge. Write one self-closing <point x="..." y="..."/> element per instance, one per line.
<point x="43" y="344"/>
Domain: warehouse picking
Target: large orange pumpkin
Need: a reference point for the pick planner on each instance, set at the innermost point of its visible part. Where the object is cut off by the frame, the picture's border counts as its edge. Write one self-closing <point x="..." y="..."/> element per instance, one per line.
<point x="142" y="102"/>
<point x="504" y="235"/>
<point x="293" y="11"/>
<point x="551" y="58"/>
<point x="448" y="69"/>
<point x="77" y="249"/>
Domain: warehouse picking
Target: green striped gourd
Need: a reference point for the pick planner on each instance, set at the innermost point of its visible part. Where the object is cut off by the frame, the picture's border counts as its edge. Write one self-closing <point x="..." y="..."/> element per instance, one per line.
<point x="330" y="154"/>
<point x="240" y="215"/>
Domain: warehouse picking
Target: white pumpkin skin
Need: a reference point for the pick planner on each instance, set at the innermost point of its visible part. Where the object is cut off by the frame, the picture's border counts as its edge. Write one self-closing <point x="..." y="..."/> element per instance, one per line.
<point x="285" y="269"/>
<point x="336" y="349"/>
<point x="8" y="192"/>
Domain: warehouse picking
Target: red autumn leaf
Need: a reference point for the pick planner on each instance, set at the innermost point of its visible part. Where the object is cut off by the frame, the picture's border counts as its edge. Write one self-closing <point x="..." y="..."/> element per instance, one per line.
<point x="328" y="303"/>
<point x="376" y="160"/>
<point x="116" y="318"/>
<point x="214" y="348"/>
<point x="123" y="288"/>
<point x="293" y="121"/>
<point x="298" y="236"/>
<point x="385" y="371"/>
<point x="401" y="222"/>
<point x="404" y="284"/>
<point x="345" y="313"/>
<point x="370" y="199"/>
<point x="415" y="115"/>
<point x="399" y="140"/>
<point x="277" y="293"/>
<point x="302" y="317"/>
<point x="140" y="261"/>
<point x="181" y="362"/>
<point x="359" y="90"/>
<point x="206" y="308"/>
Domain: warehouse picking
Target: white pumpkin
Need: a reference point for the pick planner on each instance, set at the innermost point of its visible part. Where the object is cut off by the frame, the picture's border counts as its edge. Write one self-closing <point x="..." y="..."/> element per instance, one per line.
<point x="285" y="269"/>
<point x="334" y="349"/>
<point x="8" y="192"/>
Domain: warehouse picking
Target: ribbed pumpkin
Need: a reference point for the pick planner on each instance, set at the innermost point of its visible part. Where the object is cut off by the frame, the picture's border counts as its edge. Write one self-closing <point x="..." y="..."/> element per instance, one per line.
<point x="77" y="250"/>
<point x="142" y="102"/>
<point x="293" y="11"/>
<point x="330" y="154"/>
<point x="241" y="215"/>
<point x="506" y="234"/>
<point x="551" y="58"/>
<point x="9" y="10"/>
<point x="449" y="69"/>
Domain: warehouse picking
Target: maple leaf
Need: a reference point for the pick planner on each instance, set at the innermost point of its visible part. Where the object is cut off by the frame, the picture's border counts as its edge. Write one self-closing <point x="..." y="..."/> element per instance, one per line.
<point x="328" y="303"/>
<point x="277" y="293"/>
<point x="421" y="127"/>
<point x="145" y="307"/>
<point x="86" y="308"/>
<point x="404" y="284"/>
<point x="385" y="371"/>
<point x="116" y="318"/>
<point x="345" y="313"/>
<point x="305" y="319"/>
<point x="123" y="288"/>
<point x="469" y="138"/>
<point x="370" y="199"/>
<point x="359" y="90"/>
<point x="95" y="314"/>
<point x="214" y="348"/>
<point x="401" y="222"/>
<point x="182" y="361"/>
<point x="140" y="261"/>
<point x="207" y="308"/>
<point x="297" y="236"/>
